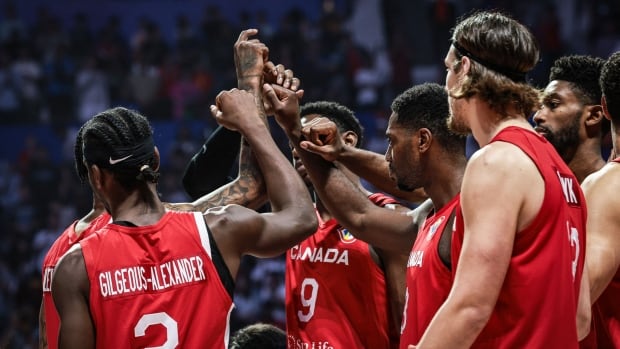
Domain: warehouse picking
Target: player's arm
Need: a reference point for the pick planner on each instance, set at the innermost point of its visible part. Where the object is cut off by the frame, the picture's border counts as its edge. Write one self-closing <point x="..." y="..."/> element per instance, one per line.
<point x="367" y="164"/>
<point x="373" y="168"/>
<point x="246" y="190"/>
<point x="390" y="230"/>
<point x="42" y="328"/>
<point x="492" y="198"/>
<point x="602" y="228"/>
<point x="584" y="306"/>
<point x="70" y="290"/>
<point x="239" y="230"/>
<point x="200" y="176"/>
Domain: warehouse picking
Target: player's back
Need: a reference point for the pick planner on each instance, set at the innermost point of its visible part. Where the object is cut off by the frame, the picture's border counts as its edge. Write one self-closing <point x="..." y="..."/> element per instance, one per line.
<point x="537" y="304"/>
<point x="157" y="285"/>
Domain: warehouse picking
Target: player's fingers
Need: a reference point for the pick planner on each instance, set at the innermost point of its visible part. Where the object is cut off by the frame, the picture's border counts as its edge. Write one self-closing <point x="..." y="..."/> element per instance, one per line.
<point x="243" y="36"/>
<point x="270" y="95"/>
<point x="295" y="82"/>
<point x="270" y="68"/>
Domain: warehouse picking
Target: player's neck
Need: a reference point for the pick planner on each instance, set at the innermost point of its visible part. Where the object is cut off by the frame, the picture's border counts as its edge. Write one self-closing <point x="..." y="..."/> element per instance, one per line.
<point x="586" y="161"/>
<point x="446" y="182"/>
<point x="486" y="123"/>
<point x="140" y="207"/>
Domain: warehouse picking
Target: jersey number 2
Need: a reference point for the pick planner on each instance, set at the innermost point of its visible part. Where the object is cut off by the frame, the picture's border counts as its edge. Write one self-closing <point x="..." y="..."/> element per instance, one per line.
<point x="172" y="331"/>
<point x="308" y="299"/>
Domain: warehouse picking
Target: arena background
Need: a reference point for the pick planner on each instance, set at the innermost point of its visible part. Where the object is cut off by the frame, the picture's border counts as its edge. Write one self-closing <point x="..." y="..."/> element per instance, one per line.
<point x="62" y="61"/>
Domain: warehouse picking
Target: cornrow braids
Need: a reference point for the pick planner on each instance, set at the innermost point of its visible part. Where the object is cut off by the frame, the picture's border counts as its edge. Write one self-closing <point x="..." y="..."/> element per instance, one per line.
<point x="120" y="140"/>
<point x="343" y="117"/>
<point x="80" y="168"/>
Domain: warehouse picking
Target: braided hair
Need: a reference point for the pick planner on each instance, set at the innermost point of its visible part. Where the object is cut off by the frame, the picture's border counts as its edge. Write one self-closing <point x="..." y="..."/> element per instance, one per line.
<point x="121" y="140"/>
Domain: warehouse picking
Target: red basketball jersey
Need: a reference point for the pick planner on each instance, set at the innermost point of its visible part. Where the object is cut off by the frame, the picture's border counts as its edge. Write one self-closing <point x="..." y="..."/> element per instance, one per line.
<point x="537" y="304"/>
<point x="157" y="286"/>
<point x="606" y="312"/>
<point x="428" y="279"/>
<point x="62" y="244"/>
<point x="335" y="292"/>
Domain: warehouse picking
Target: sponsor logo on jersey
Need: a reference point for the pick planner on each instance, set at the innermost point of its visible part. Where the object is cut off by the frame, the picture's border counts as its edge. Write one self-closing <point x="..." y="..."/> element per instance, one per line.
<point x="433" y="229"/>
<point x="415" y="259"/>
<point x="346" y="236"/>
<point x="295" y="342"/>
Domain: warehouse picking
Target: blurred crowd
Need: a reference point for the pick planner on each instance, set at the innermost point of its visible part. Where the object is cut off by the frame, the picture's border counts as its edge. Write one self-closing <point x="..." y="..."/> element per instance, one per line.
<point x="59" y="74"/>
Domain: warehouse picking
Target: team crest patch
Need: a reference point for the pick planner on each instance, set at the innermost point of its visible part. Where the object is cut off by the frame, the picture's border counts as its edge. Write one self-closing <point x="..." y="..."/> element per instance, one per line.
<point x="433" y="229"/>
<point x="346" y="236"/>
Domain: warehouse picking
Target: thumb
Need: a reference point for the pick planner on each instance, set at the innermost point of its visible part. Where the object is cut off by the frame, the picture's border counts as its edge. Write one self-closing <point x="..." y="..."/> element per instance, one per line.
<point x="311" y="147"/>
<point x="270" y="95"/>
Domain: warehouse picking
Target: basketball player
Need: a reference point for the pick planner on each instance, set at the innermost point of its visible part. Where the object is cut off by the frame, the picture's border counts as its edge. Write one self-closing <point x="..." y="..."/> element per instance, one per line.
<point x="519" y="252"/>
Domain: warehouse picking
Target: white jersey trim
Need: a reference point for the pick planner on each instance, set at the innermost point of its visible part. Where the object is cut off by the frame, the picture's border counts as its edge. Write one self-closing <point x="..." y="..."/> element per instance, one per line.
<point x="202" y="231"/>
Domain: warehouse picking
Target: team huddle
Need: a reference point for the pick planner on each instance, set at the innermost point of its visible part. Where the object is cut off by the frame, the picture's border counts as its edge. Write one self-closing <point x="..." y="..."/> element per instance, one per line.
<point x="513" y="247"/>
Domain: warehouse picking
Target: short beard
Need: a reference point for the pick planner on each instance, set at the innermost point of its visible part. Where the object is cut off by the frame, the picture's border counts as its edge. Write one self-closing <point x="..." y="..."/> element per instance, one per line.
<point x="566" y="139"/>
<point x="457" y="126"/>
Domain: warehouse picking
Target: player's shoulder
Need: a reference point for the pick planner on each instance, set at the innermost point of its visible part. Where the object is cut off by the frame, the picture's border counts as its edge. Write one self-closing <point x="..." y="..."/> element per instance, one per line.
<point x="498" y="158"/>
<point x="71" y="260"/>
<point x="602" y="180"/>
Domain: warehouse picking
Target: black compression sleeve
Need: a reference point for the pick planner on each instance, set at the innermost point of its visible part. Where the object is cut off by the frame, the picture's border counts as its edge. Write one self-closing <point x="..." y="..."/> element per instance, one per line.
<point x="209" y="169"/>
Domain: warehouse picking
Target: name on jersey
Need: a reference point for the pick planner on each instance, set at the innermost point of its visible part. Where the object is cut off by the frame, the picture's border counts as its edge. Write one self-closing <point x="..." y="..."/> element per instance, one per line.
<point x="150" y="278"/>
<point x="320" y="255"/>
<point x="415" y="259"/>
<point x="568" y="188"/>
<point x="47" y="279"/>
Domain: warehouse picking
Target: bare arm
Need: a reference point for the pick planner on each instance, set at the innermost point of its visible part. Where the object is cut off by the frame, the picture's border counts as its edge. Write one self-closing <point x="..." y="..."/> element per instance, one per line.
<point x="603" y="228"/>
<point x="42" y="328"/>
<point x="246" y="190"/>
<point x="373" y="168"/>
<point x="239" y="230"/>
<point x="584" y="306"/>
<point x="70" y="289"/>
<point x="367" y="164"/>
<point x="491" y="223"/>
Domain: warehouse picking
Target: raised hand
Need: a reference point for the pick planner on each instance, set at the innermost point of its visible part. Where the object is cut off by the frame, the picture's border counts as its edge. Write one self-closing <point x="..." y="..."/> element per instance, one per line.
<point x="285" y="105"/>
<point x="236" y="110"/>
<point x="250" y="56"/>
<point x="279" y="75"/>
<point x="323" y="138"/>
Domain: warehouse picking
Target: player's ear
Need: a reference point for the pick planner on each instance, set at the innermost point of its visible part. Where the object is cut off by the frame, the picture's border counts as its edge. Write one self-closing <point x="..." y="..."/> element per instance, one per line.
<point x="96" y="177"/>
<point x="350" y="138"/>
<point x="605" y="110"/>
<point x="425" y="139"/>
<point x="156" y="160"/>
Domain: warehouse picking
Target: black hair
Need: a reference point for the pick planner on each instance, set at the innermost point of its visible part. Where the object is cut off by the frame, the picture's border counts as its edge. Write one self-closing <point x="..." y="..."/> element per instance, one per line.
<point x="80" y="168"/>
<point x="426" y="106"/>
<point x="583" y="72"/>
<point x="610" y="86"/>
<point x="342" y="116"/>
<point x="258" y="336"/>
<point x="121" y="129"/>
